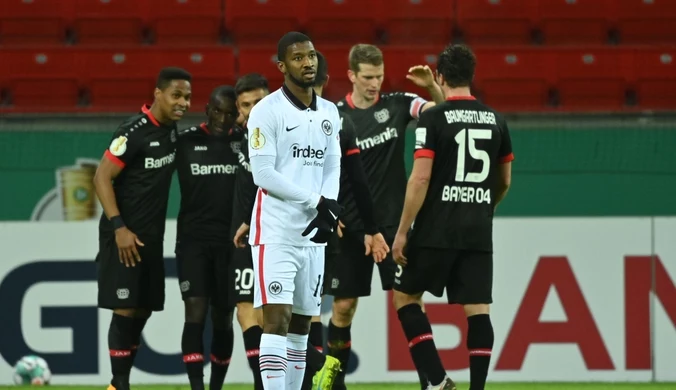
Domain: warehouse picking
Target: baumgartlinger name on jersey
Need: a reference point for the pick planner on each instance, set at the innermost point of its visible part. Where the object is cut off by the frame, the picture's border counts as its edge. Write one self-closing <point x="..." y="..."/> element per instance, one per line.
<point x="464" y="194"/>
<point x="367" y="143"/>
<point x="152" y="163"/>
<point x="470" y="116"/>
<point x="214" y="169"/>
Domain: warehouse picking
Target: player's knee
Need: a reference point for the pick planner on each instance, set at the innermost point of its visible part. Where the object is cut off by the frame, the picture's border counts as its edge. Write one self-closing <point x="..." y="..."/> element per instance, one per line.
<point x="221" y="318"/>
<point x="247" y="316"/>
<point x="316" y="319"/>
<point x="133" y="313"/>
<point x="343" y="311"/>
<point x="476" y="309"/>
<point x="196" y="309"/>
<point x="400" y="299"/>
<point x="299" y="324"/>
<point x="276" y="319"/>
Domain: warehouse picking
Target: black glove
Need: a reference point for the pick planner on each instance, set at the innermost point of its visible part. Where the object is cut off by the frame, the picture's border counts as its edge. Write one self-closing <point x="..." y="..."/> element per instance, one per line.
<point x="326" y="221"/>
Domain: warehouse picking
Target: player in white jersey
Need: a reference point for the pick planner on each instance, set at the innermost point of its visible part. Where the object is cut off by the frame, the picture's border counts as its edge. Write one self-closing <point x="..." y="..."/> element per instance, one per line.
<point x="295" y="159"/>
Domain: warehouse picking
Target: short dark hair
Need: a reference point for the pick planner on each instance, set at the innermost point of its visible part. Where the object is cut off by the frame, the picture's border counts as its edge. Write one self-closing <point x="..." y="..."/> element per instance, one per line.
<point x="322" y="70"/>
<point x="251" y="82"/>
<point x="364" y="54"/>
<point x="457" y="64"/>
<point x="290" y="38"/>
<point x="166" y="76"/>
<point x="223" y="91"/>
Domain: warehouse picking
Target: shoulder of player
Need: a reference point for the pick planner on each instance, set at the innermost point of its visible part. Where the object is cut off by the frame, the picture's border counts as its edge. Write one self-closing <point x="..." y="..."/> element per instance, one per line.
<point x="133" y="127"/>
<point x="323" y="104"/>
<point x="397" y="96"/>
<point x="188" y="131"/>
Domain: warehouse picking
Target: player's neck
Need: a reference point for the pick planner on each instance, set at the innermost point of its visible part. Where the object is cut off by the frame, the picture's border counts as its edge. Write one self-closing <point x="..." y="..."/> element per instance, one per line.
<point x="155" y="110"/>
<point x="359" y="101"/>
<point x="302" y="94"/>
<point x="456" y="92"/>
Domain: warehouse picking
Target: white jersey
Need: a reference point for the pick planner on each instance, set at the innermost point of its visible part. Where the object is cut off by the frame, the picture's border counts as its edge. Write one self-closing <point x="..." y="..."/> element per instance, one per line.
<point x="295" y="159"/>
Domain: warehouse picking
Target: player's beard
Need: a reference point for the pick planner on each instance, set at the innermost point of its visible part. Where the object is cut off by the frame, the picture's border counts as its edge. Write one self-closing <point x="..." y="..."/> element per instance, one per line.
<point x="302" y="83"/>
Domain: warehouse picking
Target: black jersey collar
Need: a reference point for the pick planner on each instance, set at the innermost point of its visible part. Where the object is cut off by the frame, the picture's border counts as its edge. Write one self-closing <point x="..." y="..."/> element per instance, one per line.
<point x="296" y="102"/>
<point x="146" y="110"/>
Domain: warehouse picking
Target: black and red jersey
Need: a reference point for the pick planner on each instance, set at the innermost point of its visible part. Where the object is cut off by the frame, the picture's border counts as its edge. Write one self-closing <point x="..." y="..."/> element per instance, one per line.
<point x="145" y="150"/>
<point x="207" y="166"/>
<point x="380" y="136"/>
<point x="467" y="141"/>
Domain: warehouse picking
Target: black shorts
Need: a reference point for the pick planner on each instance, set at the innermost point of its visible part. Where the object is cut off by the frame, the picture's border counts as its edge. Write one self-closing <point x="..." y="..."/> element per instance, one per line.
<point x="349" y="272"/>
<point x="466" y="275"/>
<point x="203" y="271"/>
<point x="122" y="287"/>
<point x="241" y="279"/>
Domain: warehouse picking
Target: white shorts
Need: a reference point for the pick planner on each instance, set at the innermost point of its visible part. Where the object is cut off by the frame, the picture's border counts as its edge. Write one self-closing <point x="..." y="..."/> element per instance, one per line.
<point x="289" y="275"/>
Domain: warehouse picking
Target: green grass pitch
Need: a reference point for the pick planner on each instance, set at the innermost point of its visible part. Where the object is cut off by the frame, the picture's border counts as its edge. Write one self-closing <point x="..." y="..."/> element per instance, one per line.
<point x="411" y="386"/>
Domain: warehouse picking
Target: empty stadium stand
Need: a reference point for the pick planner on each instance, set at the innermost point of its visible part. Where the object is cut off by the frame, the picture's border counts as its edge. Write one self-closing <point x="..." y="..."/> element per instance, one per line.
<point x="567" y="55"/>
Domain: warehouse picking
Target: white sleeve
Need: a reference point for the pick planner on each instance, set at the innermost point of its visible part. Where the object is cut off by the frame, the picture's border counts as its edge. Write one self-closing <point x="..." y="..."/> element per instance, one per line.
<point x="263" y="156"/>
<point x="331" y="176"/>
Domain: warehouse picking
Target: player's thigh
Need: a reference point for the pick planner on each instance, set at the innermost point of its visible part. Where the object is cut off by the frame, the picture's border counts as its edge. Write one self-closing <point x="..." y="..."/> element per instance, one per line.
<point x="275" y="268"/>
<point x="118" y="285"/>
<point x="194" y="264"/>
<point x="471" y="278"/>
<point x="220" y="285"/>
<point x="241" y="278"/>
<point x="153" y="279"/>
<point x="426" y="270"/>
<point x="307" y="298"/>
<point x="351" y="275"/>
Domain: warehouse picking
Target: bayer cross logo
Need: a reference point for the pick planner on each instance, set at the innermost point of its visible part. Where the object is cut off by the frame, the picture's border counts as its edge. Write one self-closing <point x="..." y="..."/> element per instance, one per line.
<point x="275" y="288"/>
<point x="326" y="127"/>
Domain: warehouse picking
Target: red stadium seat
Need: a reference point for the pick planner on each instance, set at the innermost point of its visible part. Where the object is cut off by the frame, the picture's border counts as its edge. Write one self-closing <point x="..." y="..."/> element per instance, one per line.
<point x="655" y="72"/>
<point x="489" y="21"/>
<point x="579" y="21"/>
<point x="34" y="22"/>
<point x="399" y="59"/>
<point x="186" y="21"/>
<point x="516" y="79"/>
<point x="415" y="21"/>
<point x="342" y="21"/>
<point x="339" y="84"/>
<point x="209" y="66"/>
<point x="645" y="22"/>
<point x="40" y="79"/>
<point x="593" y="79"/>
<point x="110" y="21"/>
<point x="263" y="60"/>
<point x="119" y="79"/>
<point x="255" y="21"/>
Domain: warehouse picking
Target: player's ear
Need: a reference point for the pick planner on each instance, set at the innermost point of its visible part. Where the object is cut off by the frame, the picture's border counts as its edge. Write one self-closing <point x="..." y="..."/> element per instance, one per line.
<point x="206" y="109"/>
<point x="281" y="66"/>
<point x="351" y="75"/>
<point x="327" y="81"/>
<point x="157" y="93"/>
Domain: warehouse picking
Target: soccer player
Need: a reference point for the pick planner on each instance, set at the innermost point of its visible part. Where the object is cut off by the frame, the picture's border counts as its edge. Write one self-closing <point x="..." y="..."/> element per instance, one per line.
<point x="250" y="89"/>
<point x="353" y="179"/>
<point x="132" y="182"/>
<point x="295" y="160"/>
<point x="381" y="121"/>
<point x="462" y="170"/>
<point x="206" y="161"/>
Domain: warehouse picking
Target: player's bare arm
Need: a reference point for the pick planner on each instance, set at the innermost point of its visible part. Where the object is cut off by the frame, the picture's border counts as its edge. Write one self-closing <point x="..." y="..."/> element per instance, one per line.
<point x="416" y="190"/>
<point x="125" y="239"/>
<point x="422" y="76"/>
<point x="504" y="182"/>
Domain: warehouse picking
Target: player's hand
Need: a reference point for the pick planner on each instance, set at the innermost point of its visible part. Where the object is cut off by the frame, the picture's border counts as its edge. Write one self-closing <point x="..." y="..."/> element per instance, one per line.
<point x="378" y="247"/>
<point x="326" y="221"/>
<point x="126" y="246"/>
<point x="421" y="75"/>
<point x="340" y="228"/>
<point x="241" y="236"/>
<point x="398" y="249"/>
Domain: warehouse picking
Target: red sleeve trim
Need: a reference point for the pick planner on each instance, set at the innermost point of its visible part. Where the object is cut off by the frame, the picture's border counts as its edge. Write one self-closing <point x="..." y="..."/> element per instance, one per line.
<point x="114" y="159"/>
<point x="507" y="158"/>
<point x="350" y="152"/>
<point x="423" y="153"/>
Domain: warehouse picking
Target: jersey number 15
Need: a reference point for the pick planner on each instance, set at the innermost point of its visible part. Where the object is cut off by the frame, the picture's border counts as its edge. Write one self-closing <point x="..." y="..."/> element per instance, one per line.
<point x="469" y="136"/>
